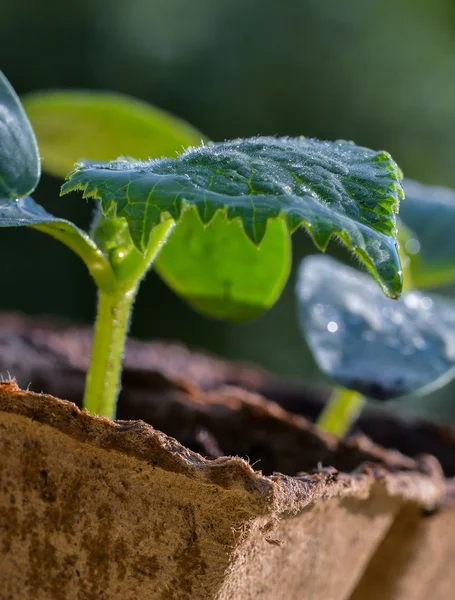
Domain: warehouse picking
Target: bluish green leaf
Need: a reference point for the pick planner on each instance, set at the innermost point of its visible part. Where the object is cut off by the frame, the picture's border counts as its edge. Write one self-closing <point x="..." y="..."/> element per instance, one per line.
<point x="429" y="212"/>
<point x="331" y="188"/>
<point x="19" y="157"/>
<point x="366" y="342"/>
<point x="219" y="272"/>
<point x="25" y="212"/>
<point x="80" y="124"/>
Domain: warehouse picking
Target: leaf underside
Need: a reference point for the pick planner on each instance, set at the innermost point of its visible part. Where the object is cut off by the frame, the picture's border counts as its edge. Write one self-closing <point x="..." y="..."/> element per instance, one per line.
<point x="330" y="188"/>
<point x="429" y="212"/>
<point x="25" y="212"/>
<point x="219" y="272"/>
<point x="366" y="342"/>
<point x="19" y="157"/>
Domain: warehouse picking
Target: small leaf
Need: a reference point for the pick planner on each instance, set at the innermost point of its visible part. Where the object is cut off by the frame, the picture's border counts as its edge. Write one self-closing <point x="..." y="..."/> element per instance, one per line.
<point x="429" y="212"/>
<point x="219" y="272"/>
<point x="25" y="212"/>
<point x="331" y="188"/>
<point x="369" y="343"/>
<point x="19" y="157"/>
<point x="99" y="126"/>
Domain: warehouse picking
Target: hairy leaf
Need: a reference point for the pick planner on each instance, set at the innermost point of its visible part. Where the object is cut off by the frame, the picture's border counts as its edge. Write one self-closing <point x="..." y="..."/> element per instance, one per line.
<point x="220" y="272"/>
<point x="429" y="212"/>
<point x="19" y="157"/>
<point x="369" y="343"/>
<point x="233" y="280"/>
<point x="25" y="212"/>
<point x="331" y="188"/>
<point x="75" y="125"/>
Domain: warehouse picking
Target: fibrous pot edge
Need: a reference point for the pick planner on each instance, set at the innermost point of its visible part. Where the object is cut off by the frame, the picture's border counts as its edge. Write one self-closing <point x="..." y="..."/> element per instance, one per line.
<point x="275" y="494"/>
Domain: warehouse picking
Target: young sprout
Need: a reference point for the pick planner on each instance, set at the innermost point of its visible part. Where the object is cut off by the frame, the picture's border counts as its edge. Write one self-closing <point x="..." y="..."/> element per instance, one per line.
<point x="247" y="190"/>
<point x="369" y="345"/>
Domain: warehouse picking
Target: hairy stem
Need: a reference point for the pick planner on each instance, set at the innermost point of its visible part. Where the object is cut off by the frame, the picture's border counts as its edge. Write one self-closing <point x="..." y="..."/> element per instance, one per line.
<point x="103" y="378"/>
<point x="112" y="324"/>
<point x="341" y="411"/>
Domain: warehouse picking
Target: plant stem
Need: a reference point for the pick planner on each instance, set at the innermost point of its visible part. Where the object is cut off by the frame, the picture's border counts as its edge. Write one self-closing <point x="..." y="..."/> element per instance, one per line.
<point x="112" y="324"/>
<point x="111" y="329"/>
<point x="341" y="411"/>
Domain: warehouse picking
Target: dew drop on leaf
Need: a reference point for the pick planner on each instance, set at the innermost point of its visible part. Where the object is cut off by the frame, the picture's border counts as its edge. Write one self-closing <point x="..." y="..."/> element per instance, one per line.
<point x="426" y="303"/>
<point x="332" y="327"/>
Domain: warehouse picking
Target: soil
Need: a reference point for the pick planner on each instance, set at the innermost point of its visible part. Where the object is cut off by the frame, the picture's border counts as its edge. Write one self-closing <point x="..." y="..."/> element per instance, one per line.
<point x="211" y="406"/>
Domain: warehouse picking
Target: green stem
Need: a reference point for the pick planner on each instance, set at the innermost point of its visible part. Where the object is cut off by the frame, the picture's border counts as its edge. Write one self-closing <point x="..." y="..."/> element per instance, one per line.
<point x="103" y="378"/>
<point x="133" y="264"/>
<point x="341" y="411"/>
<point x="112" y="323"/>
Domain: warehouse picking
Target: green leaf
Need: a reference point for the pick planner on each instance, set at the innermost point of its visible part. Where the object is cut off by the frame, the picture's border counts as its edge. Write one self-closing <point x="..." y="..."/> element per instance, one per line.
<point x="19" y="157"/>
<point x="25" y="212"/>
<point x="429" y="212"/>
<point x="331" y="188"/>
<point x="219" y="272"/>
<point x="235" y="281"/>
<point x="366" y="342"/>
<point x="100" y="126"/>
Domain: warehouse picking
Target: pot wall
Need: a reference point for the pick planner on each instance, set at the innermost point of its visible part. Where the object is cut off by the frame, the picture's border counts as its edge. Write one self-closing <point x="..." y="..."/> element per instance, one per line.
<point x="423" y="551"/>
<point x="91" y="508"/>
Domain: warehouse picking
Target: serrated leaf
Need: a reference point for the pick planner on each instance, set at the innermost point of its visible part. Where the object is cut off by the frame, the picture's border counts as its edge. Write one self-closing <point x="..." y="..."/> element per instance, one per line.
<point x="429" y="212"/>
<point x="19" y="157"/>
<point x="98" y="126"/>
<point x="25" y="212"/>
<point x="234" y="280"/>
<point x="219" y="272"/>
<point x="366" y="342"/>
<point x="331" y="188"/>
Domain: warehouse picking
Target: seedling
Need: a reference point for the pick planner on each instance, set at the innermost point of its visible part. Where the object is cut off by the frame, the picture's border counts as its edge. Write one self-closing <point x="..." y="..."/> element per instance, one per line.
<point x="374" y="347"/>
<point x="215" y="220"/>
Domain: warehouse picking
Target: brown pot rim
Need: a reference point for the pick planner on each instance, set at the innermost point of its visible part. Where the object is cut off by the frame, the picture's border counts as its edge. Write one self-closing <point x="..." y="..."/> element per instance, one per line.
<point x="418" y="481"/>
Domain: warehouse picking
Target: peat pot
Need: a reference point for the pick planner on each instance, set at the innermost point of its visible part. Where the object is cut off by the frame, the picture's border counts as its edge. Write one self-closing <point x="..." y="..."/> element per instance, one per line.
<point x="92" y="508"/>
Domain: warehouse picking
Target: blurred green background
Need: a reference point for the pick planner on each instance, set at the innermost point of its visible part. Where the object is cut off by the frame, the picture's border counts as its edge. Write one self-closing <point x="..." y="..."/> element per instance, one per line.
<point x="379" y="72"/>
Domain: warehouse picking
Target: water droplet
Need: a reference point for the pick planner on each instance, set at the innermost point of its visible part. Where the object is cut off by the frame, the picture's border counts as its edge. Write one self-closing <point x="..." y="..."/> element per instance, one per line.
<point x="426" y="303"/>
<point x="397" y="318"/>
<point x="318" y="309"/>
<point x="412" y="246"/>
<point x="412" y="301"/>
<point x="332" y="326"/>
